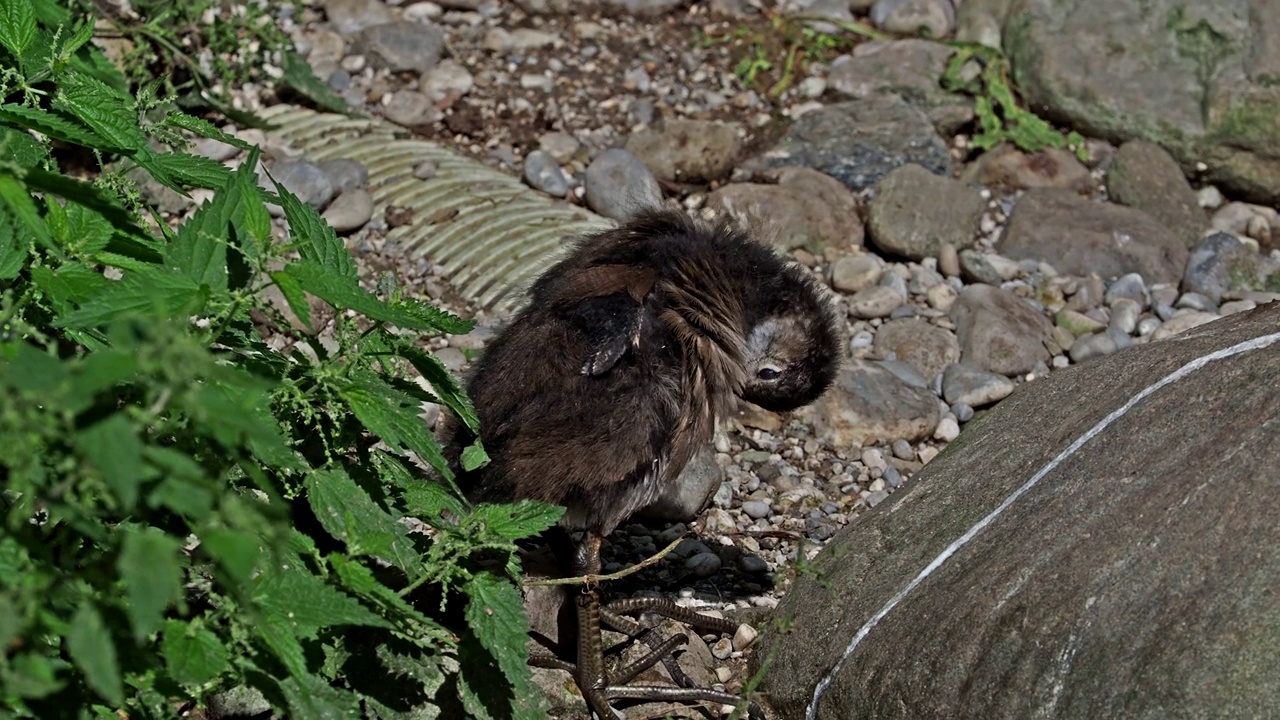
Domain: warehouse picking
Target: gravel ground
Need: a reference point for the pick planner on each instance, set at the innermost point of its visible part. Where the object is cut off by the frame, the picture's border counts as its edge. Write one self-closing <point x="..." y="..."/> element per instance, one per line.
<point x="505" y="84"/>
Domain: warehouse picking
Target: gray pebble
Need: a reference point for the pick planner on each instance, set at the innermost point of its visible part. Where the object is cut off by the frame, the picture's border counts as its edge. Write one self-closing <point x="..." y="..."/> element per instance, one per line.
<point x="1090" y="346"/>
<point x="302" y="178"/>
<point x="756" y="509"/>
<point x="877" y="497"/>
<point x="350" y="210"/>
<point x="617" y="184"/>
<point x="903" y="450"/>
<point x="1146" y="326"/>
<point x="892" y="477"/>
<point x="852" y="273"/>
<point x="1130" y="286"/>
<point x="345" y="173"/>
<point x="667" y="536"/>
<point x="703" y="565"/>
<point x="1196" y="301"/>
<point x="690" y="547"/>
<point x="542" y="172"/>
<point x="948" y="260"/>
<point x="963" y="412"/>
<point x="876" y="302"/>
<point x="965" y="385"/>
<point x="1124" y="315"/>
<point x="753" y="564"/>
<point x="819" y="528"/>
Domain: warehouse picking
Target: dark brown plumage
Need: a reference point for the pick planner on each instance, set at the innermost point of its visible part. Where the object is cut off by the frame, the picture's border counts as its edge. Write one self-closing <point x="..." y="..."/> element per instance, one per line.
<point x="599" y="392"/>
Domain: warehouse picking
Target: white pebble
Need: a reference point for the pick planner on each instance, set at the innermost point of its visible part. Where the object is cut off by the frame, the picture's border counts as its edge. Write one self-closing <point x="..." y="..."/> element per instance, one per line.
<point x="743" y="638"/>
<point x="873" y="459"/>
<point x="948" y="430"/>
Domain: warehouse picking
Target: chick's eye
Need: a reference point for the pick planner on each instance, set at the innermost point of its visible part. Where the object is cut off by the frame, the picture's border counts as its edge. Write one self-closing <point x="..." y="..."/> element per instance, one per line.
<point x="768" y="373"/>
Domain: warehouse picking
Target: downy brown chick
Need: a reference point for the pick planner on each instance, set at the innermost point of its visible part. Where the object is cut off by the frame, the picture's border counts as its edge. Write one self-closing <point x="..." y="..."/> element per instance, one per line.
<point x="599" y="392"/>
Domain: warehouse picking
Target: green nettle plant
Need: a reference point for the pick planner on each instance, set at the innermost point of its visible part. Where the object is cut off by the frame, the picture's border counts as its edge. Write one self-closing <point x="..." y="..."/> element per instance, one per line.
<point x="187" y="510"/>
<point x="999" y="117"/>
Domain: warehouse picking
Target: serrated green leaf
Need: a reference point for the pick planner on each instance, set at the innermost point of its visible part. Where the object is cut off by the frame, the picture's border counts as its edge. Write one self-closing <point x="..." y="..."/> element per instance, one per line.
<point x="178" y="170"/>
<point x="193" y="655"/>
<point x="393" y="416"/>
<point x="34" y="373"/>
<point x="423" y="669"/>
<point x="315" y="239"/>
<point x="94" y="652"/>
<point x="474" y="457"/>
<point x="82" y="193"/>
<point x="20" y="148"/>
<point x="442" y="382"/>
<point x="204" y="128"/>
<point x="99" y="106"/>
<point x="427" y="500"/>
<point x="295" y="296"/>
<point x="299" y="76"/>
<point x="517" y="520"/>
<point x="444" y="321"/>
<point x="100" y="371"/>
<point x="17" y="26"/>
<point x="346" y="293"/>
<point x="82" y="33"/>
<point x="113" y="448"/>
<point x="153" y="292"/>
<point x="57" y="126"/>
<point x="78" y="228"/>
<point x="496" y="615"/>
<point x="70" y="285"/>
<point x="347" y="512"/>
<point x="237" y="551"/>
<point x="360" y="580"/>
<point x="236" y="412"/>
<point x="23" y="208"/>
<point x="306" y="603"/>
<point x="31" y="676"/>
<point x="13" y="254"/>
<point x="152" y="576"/>
<point x="308" y="696"/>
<point x="279" y="637"/>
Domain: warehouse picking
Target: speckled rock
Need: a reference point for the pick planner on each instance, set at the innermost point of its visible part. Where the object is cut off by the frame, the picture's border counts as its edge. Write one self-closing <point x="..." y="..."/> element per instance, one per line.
<point x="1112" y="578"/>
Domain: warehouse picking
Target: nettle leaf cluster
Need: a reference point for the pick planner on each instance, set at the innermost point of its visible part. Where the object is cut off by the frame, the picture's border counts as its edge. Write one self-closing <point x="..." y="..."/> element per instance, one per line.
<point x="203" y="494"/>
<point x="983" y="72"/>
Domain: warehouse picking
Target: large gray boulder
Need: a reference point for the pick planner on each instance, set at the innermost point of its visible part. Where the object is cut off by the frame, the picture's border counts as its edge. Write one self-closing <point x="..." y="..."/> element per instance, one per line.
<point x="1197" y="78"/>
<point x="1101" y="544"/>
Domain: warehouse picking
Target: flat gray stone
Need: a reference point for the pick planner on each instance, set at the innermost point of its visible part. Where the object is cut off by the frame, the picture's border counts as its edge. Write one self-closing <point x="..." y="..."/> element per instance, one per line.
<point x="868" y="402"/>
<point x="1005" y="166"/>
<point x="1220" y="264"/>
<point x="1078" y="237"/>
<point x="999" y="332"/>
<point x="1110" y="562"/>
<point x="915" y="212"/>
<point x="688" y="151"/>
<point x="858" y="142"/>
<point x="909" y="67"/>
<point x="925" y="346"/>
<point x="618" y="185"/>
<point x="400" y="45"/>
<point x="691" y="493"/>
<point x="802" y="208"/>
<point x="1145" y="177"/>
